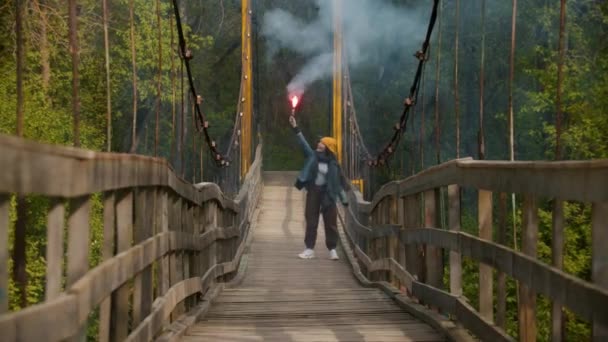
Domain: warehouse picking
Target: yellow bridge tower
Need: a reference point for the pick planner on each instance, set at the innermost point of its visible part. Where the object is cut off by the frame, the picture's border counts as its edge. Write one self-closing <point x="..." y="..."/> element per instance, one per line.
<point x="246" y="88"/>
<point x="337" y="77"/>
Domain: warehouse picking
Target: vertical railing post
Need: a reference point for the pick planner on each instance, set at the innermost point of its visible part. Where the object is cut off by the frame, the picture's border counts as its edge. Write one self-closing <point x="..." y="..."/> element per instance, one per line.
<point x="54" y="249"/>
<point x="142" y="292"/>
<point x="501" y="281"/>
<point x="195" y="268"/>
<point x="413" y="258"/>
<point x="174" y="265"/>
<point x="486" y="279"/>
<point x="124" y="234"/>
<point x="386" y="242"/>
<point x="78" y="248"/>
<point x="599" y="233"/>
<point x="418" y="222"/>
<point x="162" y="226"/>
<point x="401" y="221"/>
<point x="179" y="257"/>
<point x="557" y="256"/>
<point x="205" y="259"/>
<point x="205" y="228"/>
<point x="382" y="245"/>
<point x="454" y="224"/>
<point x="190" y="257"/>
<point x="4" y="254"/>
<point x="364" y="219"/>
<point x="211" y="223"/>
<point x="527" y="296"/>
<point x="394" y="239"/>
<point x="371" y="242"/>
<point x="433" y="255"/>
<point x="109" y="233"/>
<point x="185" y="228"/>
<point x="220" y="244"/>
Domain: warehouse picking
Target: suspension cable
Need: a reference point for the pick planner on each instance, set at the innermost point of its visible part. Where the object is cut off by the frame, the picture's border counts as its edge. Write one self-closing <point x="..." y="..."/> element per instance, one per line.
<point x="410" y="101"/>
<point x="353" y="113"/>
<point x="201" y="124"/>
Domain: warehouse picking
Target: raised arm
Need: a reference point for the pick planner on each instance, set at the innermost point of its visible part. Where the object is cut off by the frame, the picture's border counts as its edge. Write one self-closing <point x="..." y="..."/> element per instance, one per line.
<point x="308" y="151"/>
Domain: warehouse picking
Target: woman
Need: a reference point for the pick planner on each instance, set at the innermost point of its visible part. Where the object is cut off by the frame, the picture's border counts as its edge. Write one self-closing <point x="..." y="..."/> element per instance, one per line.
<point x="325" y="184"/>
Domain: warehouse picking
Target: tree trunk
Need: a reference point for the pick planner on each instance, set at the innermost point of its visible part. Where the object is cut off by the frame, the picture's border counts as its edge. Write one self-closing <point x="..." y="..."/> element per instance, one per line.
<point x="19" y="255"/>
<point x="511" y="76"/>
<point x="20" y="64"/>
<point x="45" y="63"/>
<point x="201" y="151"/>
<point x="558" y="209"/>
<point x="481" y="138"/>
<point x="145" y="149"/>
<point x="173" y="92"/>
<point x="106" y="44"/>
<point x="560" y="81"/>
<point x="511" y="137"/>
<point x="180" y="146"/>
<point x="422" y="118"/>
<point x="456" y="95"/>
<point x="134" y="67"/>
<point x="74" y="51"/>
<point x="415" y="139"/>
<point x="193" y="153"/>
<point x="185" y="98"/>
<point x="437" y="81"/>
<point x="19" y="250"/>
<point x="160" y="78"/>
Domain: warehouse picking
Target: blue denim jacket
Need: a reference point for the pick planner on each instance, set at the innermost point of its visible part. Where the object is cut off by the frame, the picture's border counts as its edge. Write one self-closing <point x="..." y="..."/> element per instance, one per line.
<point x="335" y="181"/>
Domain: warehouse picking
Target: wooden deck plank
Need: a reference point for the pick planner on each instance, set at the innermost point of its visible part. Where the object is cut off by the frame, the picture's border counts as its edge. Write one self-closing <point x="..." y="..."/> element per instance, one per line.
<point x="284" y="298"/>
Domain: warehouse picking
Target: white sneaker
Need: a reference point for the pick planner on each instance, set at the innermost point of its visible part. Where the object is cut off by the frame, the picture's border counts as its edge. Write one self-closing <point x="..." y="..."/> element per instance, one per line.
<point x="307" y="254"/>
<point x="333" y="255"/>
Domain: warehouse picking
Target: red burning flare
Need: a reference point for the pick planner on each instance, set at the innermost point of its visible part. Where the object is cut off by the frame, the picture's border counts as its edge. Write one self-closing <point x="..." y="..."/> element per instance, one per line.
<point x="294" y="101"/>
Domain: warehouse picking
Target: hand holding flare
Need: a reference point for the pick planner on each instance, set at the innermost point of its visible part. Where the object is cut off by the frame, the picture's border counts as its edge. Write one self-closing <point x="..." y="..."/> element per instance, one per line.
<point x="292" y="121"/>
<point x="294" y="103"/>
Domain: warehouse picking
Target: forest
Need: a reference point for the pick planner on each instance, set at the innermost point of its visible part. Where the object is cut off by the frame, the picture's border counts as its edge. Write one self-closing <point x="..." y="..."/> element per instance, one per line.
<point x="548" y="78"/>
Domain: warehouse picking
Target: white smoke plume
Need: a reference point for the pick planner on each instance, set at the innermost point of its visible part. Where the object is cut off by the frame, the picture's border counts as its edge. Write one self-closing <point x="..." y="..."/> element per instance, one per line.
<point x="371" y="29"/>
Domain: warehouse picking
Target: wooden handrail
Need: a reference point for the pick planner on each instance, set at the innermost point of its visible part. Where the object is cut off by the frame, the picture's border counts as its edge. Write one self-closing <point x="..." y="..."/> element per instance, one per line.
<point x="543" y="278"/>
<point x="28" y="168"/>
<point x="386" y="238"/>
<point x="454" y="332"/>
<point x="585" y="181"/>
<point x="175" y="226"/>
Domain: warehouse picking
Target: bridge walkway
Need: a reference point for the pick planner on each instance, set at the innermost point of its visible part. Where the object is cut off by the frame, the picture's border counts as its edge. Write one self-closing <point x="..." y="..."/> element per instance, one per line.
<point x="284" y="298"/>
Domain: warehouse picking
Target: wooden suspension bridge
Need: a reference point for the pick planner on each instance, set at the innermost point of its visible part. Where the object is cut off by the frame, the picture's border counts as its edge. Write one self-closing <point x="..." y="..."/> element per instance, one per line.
<point x="185" y="261"/>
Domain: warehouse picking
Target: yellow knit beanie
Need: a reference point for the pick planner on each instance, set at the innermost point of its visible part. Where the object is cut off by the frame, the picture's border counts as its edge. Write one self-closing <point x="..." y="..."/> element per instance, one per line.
<point x="331" y="145"/>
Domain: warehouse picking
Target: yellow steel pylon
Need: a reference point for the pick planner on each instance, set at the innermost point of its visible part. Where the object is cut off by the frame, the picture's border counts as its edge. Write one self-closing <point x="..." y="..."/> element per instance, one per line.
<point x="247" y="93"/>
<point x="337" y="74"/>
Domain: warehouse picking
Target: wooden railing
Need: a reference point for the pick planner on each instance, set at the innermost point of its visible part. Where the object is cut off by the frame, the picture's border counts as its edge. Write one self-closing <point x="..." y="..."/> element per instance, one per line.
<point x="166" y="243"/>
<point x="395" y="240"/>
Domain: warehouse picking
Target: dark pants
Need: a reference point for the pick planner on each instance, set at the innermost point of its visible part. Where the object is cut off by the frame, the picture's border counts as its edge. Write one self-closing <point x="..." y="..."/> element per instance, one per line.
<point x="314" y="198"/>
